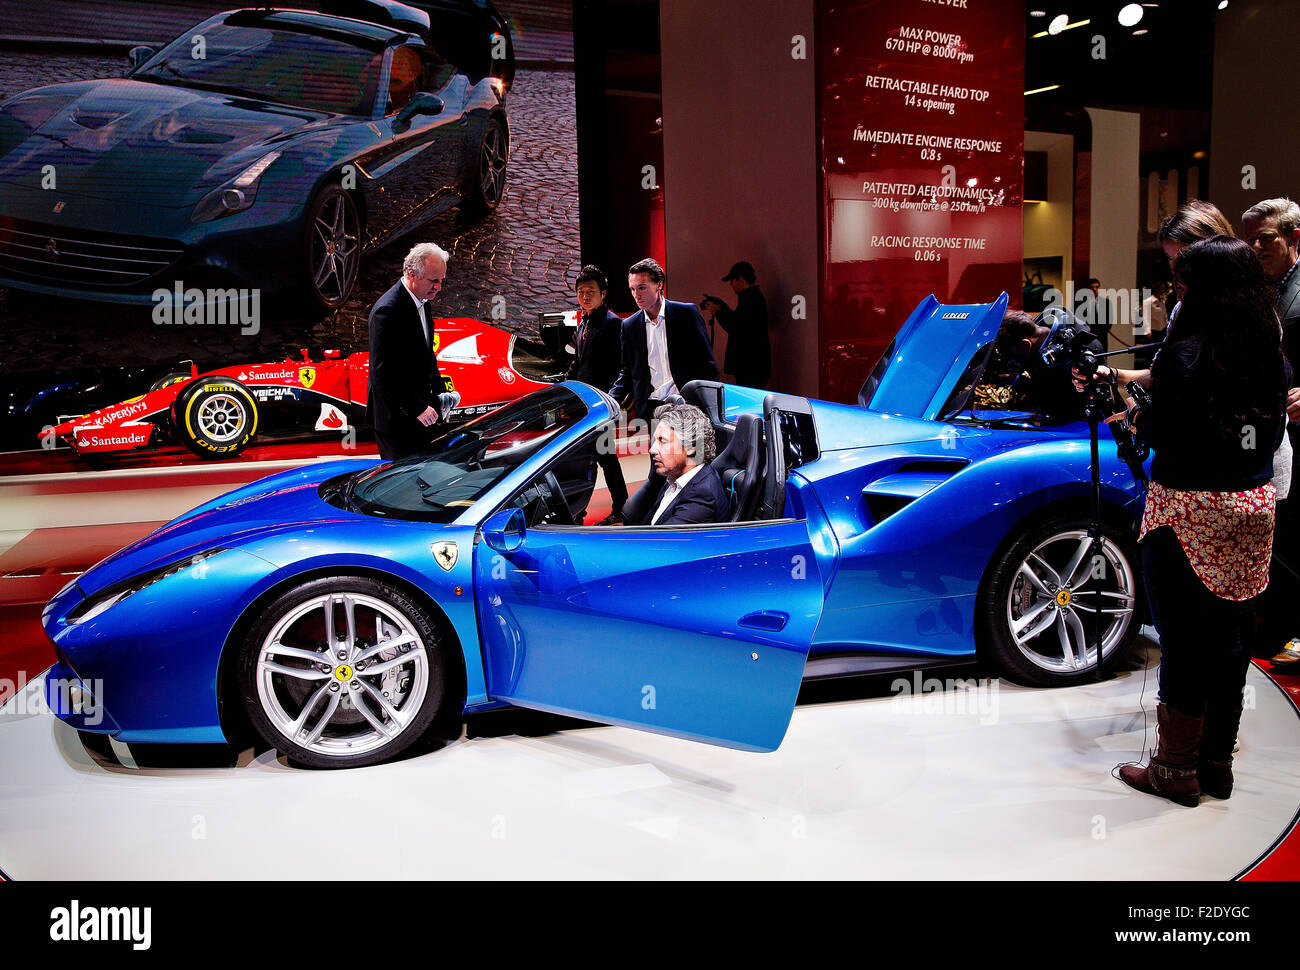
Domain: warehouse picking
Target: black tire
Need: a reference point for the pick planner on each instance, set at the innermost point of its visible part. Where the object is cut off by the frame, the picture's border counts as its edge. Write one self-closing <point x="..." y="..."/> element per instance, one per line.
<point x="167" y="380"/>
<point x="488" y="180"/>
<point x="413" y="680"/>
<point x="215" y="417"/>
<point x="331" y="248"/>
<point x="1034" y="653"/>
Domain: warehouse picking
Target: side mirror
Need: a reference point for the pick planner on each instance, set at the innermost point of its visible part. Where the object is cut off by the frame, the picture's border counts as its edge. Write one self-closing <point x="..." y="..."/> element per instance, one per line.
<point x="421" y="103"/>
<point x="504" y="531"/>
<point x="138" y="55"/>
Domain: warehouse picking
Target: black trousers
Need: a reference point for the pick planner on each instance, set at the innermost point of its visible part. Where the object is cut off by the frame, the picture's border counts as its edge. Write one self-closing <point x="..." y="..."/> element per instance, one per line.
<point x="1205" y="641"/>
<point x="395" y="445"/>
<point x="608" y="462"/>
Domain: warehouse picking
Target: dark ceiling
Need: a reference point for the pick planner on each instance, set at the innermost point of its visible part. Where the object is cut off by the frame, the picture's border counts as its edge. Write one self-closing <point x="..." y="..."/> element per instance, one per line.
<point x="1166" y="60"/>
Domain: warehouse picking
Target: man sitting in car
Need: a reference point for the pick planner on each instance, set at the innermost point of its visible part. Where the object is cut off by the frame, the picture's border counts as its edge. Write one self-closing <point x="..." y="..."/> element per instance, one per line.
<point x="682" y="487"/>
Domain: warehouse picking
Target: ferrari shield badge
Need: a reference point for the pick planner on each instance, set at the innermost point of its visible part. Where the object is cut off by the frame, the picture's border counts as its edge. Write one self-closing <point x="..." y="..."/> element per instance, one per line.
<point x="307" y="376"/>
<point x="445" y="554"/>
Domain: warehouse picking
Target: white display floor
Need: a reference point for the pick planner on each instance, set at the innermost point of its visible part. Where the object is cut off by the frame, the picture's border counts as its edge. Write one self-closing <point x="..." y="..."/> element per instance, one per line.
<point x="995" y="783"/>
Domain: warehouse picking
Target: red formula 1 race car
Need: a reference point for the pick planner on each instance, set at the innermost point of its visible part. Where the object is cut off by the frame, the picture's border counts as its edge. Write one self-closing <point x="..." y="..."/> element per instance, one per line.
<point x="219" y="413"/>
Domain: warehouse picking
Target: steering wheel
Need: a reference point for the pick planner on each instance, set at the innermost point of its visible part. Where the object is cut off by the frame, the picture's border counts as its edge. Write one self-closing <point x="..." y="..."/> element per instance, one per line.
<point x="563" y="515"/>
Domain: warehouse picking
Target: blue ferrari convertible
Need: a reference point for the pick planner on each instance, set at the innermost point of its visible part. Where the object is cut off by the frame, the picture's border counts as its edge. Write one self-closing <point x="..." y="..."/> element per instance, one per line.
<point x="344" y="610"/>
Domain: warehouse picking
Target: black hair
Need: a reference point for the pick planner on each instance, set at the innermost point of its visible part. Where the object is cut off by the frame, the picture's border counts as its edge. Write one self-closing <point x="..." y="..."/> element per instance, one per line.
<point x="1229" y="309"/>
<point x="592" y="274"/>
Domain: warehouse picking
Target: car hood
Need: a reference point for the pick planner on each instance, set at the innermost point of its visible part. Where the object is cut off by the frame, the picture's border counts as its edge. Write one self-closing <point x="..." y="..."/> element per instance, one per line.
<point x="285" y="502"/>
<point x="931" y="352"/>
<point x="95" y="133"/>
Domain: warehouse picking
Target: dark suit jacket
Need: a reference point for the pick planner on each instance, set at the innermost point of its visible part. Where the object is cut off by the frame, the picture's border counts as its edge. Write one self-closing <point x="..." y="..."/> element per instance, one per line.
<point x="1288" y="307"/>
<point x="599" y="346"/>
<point x="690" y="355"/>
<point x="749" y="352"/>
<point x="404" y="378"/>
<point x="702" y="500"/>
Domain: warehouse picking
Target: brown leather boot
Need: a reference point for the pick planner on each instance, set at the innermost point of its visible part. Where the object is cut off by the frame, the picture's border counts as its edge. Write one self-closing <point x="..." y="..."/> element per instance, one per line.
<point x="1171" y="772"/>
<point x="1214" y="769"/>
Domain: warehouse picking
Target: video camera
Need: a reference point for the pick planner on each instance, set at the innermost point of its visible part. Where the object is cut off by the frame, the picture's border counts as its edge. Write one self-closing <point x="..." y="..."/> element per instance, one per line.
<point x="1068" y="342"/>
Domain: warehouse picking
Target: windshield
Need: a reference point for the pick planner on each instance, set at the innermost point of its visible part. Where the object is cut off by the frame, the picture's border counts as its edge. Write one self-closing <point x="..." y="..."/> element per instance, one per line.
<point x="466" y="461"/>
<point x="304" y="70"/>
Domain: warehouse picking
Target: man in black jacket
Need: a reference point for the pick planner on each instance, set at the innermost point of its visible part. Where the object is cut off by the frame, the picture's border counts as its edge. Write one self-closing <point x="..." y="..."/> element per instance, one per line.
<point x="683" y="487"/>
<point x="749" y="351"/>
<point x="664" y="344"/>
<point x="402" y="401"/>
<point x="598" y="346"/>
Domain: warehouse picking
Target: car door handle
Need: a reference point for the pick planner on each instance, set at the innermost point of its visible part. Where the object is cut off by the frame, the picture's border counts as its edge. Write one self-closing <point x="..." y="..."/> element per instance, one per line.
<point x="769" y="621"/>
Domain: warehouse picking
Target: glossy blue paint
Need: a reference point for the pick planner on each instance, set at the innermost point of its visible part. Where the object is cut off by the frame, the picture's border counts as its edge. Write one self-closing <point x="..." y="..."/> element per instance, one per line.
<point x="699" y="632"/>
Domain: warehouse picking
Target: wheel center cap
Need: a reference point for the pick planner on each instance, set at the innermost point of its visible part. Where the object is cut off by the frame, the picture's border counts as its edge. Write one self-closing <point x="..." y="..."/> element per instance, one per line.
<point x="1063" y="598"/>
<point x="343" y="673"/>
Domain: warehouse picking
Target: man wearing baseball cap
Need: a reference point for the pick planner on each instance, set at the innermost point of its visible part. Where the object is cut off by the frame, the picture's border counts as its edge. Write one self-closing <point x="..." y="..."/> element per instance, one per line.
<point x="749" y="352"/>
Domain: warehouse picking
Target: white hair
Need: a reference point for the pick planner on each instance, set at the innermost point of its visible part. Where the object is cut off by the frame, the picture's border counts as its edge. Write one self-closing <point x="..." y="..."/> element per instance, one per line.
<point x="1286" y="211"/>
<point x="418" y="257"/>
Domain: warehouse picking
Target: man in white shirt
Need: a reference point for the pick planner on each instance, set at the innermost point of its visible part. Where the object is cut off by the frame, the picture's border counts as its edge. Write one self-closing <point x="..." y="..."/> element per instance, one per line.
<point x="664" y="344"/>
<point x="682" y="488"/>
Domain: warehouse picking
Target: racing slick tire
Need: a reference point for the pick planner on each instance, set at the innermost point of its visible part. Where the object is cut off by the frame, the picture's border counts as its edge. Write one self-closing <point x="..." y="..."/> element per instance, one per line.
<point x="167" y="380"/>
<point x="317" y="684"/>
<point x="1038" y="600"/>
<point x="215" y="417"/>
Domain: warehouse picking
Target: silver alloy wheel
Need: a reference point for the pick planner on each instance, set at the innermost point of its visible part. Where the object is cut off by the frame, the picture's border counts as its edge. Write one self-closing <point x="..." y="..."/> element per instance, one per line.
<point x="356" y="685"/>
<point x="336" y="249"/>
<point x="222" y="417"/>
<point x="1055" y="596"/>
<point x="492" y="165"/>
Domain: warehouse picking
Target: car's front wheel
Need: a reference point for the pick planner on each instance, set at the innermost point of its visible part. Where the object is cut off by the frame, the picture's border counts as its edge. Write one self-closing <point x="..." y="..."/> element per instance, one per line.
<point x="1044" y="594"/>
<point x="342" y="672"/>
<point x="332" y="250"/>
<point x="215" y="417"/>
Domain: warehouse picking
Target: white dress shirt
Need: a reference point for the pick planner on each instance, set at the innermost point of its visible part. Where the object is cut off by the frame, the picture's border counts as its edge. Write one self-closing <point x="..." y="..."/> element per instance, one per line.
<point x="671" y="491"/>
<point x="419" y="308"/>
<point x="656" y="339"/>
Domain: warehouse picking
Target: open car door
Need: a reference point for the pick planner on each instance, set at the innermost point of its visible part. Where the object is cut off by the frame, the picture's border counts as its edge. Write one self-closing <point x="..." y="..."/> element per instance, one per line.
<point x="696" y="631"/>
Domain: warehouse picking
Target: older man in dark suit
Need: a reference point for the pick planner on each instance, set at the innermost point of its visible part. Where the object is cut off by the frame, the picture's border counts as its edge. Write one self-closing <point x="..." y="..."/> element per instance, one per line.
<point x="665" y="345"/>
<point x="402" y="400"/>
<point x="1272" y="228"/>
<point x="682" y="488"/>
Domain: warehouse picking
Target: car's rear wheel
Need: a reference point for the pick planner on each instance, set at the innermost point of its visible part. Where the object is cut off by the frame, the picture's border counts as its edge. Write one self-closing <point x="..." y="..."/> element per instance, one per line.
<point x="332" y="248"/>
<point x="1044" y="593"/>
<point x="342" y="672"/>
<point x="215" y="417"/>
<point x="489" y="183"/>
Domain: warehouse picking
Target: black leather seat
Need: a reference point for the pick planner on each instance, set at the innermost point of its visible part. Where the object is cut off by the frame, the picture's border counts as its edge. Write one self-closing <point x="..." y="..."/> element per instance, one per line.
<point x="740" y="466"/>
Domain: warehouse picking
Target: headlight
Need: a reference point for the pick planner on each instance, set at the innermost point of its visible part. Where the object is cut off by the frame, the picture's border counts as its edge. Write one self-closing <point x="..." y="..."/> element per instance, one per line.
<point x="234" y="196"/>
<point x="92" y="606"/>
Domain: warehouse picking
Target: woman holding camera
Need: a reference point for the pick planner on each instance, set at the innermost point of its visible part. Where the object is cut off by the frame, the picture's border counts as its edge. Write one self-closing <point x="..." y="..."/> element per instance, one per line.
<point x="1217" y="413"/>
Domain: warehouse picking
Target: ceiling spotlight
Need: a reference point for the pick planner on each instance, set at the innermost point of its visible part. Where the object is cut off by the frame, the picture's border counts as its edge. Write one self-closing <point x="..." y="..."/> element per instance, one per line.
<point x="1058" y="24"/>
<point x="1130" y="14"/>
<point x="1038" y="13"/>
<point x="1223" y="4"/>
<point x="1139" y="33"/>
